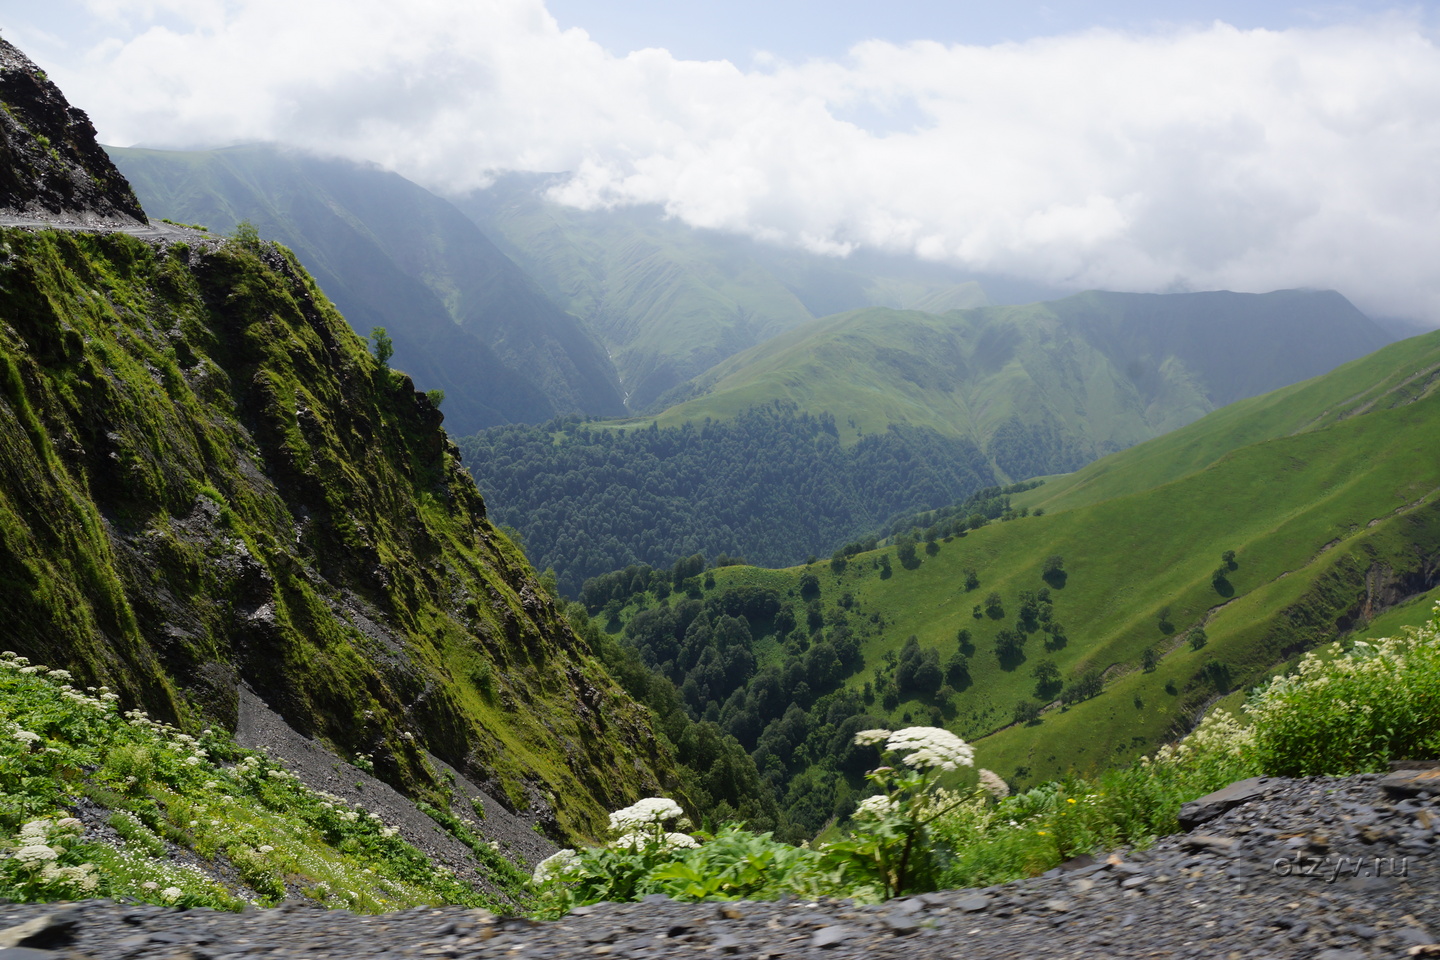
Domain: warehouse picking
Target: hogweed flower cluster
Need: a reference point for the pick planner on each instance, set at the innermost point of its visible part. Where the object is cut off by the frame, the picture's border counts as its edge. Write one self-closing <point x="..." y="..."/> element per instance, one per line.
<point x="890" y="839"/>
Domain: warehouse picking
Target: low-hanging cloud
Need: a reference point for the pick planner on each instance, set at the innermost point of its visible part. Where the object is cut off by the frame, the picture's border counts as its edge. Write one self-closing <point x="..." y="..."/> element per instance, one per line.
<point x="1199" y="158"/>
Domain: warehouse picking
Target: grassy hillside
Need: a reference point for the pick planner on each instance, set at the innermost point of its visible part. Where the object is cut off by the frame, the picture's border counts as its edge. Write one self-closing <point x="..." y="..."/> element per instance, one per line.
<point x="464" y="318"/>
<point x="1332" y="512"/>
<point x="206" y="480"/>
<point x="672" y="301"/>
<point x="1044" y="387"/>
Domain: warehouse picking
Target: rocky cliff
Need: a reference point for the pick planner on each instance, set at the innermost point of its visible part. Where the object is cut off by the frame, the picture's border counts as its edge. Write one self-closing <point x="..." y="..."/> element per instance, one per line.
<point x="208" y="484"/>
<point x="50" y="164"/>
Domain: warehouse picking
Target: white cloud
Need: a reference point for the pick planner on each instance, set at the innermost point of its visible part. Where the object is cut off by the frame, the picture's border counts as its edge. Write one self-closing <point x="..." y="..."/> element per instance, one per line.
<point x="1200" y="158"/>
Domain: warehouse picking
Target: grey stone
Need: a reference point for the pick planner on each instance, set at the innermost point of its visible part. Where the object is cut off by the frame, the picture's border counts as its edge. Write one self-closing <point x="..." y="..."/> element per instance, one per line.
<point x="47" y="930"/>
<point x="1207" y="808"/>
<point x="1208" y="843"/>
<point x="1411" y="783"/>
<point x="832" y="936"/>
<point x="902" y="925"/>
<point x="973" y="903"/>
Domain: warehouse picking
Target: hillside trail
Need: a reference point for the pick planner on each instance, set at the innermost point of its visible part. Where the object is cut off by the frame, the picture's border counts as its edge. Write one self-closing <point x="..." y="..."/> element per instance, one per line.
<point x="154" y="230"/>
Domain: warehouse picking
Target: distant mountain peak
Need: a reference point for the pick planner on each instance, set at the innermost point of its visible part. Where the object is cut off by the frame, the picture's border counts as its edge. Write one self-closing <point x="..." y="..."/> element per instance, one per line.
<point x="51" y="166"/>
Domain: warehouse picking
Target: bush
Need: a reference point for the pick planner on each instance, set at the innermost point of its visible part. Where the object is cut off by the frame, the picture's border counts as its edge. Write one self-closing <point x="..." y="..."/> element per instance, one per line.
<point x="1353" y="714"/>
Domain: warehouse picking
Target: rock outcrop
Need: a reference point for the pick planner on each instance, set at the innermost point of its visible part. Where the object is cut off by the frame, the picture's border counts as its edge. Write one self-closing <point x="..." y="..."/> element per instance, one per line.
<point x="51" y="166"/>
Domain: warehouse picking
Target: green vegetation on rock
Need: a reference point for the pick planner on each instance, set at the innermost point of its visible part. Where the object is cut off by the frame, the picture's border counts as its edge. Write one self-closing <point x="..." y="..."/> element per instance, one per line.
<point x="206" y="479"/>
<point x="465" y="319"/>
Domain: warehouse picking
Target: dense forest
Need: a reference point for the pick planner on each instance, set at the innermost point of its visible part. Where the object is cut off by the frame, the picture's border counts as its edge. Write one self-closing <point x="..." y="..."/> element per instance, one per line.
<point x="772" y="485"/>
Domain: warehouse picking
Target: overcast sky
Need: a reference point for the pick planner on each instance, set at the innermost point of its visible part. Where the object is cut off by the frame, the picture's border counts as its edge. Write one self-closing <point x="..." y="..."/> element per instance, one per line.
<point x="1247" y="147"/>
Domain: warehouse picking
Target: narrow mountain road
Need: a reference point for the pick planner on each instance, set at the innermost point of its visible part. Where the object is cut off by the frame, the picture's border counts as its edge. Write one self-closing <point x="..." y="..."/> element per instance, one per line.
<point x="154" y="230"/>
<point x="1327" y="868"/>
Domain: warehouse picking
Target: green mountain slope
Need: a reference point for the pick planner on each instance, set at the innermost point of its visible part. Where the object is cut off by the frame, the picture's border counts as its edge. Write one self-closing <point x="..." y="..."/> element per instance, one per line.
<point x="1328" y="496"/>
<point x="672" y="301"/>
<point x="1045" y="387"/>
<point x="206" y="481"/>
<point x="769" y="485"/>
<point x="464" y="318"/>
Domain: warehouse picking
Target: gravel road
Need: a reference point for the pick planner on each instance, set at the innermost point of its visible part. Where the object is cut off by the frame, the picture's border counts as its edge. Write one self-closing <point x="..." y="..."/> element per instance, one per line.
<point x="1322" y="868"/>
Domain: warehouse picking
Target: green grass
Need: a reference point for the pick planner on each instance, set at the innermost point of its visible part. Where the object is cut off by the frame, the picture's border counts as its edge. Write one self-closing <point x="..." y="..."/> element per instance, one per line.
<point x="241" y="815"/>
<point x="1092" y="374"/>
<point x="1321" y="508"/>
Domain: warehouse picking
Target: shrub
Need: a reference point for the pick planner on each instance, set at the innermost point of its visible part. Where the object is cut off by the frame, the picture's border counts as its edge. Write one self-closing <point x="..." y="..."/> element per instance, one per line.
<point x="1355" y="713"/>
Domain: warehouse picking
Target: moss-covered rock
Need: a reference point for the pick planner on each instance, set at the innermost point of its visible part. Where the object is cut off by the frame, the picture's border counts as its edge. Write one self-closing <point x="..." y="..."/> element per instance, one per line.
<point x="206" y="480"/>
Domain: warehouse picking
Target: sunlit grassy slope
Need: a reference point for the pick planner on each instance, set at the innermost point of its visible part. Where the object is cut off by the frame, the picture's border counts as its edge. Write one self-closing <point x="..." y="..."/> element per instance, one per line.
<point x="1078" y="378"/>
<point x="1326" y="491"/>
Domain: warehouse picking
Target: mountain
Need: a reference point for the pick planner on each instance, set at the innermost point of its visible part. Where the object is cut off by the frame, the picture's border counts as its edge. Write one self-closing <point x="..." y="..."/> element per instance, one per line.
<point x="211" y="493"/>
<point x="771" y="485"/>
<point x="1104" y="613"/>
<point x="671" y="301"/>
<point x="829" y="430"/>
<point x="464" y="318"/>
<point x="1043" y="387"/>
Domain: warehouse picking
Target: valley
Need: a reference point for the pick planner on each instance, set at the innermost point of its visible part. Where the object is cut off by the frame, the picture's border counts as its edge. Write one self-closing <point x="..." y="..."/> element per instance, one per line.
<point x="1329" y="509"/>
<point x="577" y="526"/>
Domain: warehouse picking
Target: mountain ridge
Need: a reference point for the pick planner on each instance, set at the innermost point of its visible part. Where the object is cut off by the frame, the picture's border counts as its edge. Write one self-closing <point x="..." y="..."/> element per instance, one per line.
<point x="463" y="317"/>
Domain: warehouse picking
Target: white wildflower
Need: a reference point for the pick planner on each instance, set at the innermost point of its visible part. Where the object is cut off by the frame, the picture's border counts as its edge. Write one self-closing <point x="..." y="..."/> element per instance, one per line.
<point x="555" y="865"/>
<point x="171" y="894"/>
<point x="35" y="831"/>
<point x="651" y="810"/>
<point x="680" y="841"/>
<point x="866" y="738"/>
<point x="35" y="855"/>
<point x="930" y="747"/>
<point x="61" y="675"/>
<point x="266" y="848"/>
<point x="877" y="807"/>
<point x="993" y="784"/>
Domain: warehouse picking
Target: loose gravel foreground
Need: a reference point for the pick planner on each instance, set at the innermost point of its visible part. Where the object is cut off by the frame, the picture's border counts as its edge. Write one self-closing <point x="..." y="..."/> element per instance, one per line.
<point x="1319" y="868"/>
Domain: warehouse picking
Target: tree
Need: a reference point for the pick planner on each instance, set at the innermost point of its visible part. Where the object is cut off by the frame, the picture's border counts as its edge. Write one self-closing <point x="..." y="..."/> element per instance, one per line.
<point x="994" y="606"/>
<point x="1026" y="712"/>
<point x="1228" y="558"/>
<point x="809" y="585"/>
<point x="247" y="235"/>
<point x="972" y="579"/>
<point x="905" y="551"/>
<point x="1149" y="659"/>
<point x="384" y="347"/>
<point x="957" y="668"/>
<point x="1166" y="627"/>
<point x="1047" y="679"/>
<point x="1053" y="571"/>
<point x="1046" y="671"/>
<point x="1197" y="638"/>
<point x="838" y="561"/>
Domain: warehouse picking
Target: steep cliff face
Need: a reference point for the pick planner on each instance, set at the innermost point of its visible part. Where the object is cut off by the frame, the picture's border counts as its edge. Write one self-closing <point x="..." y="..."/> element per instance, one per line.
<point x="50" y="164"/>
<point x="208" y="483"/>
